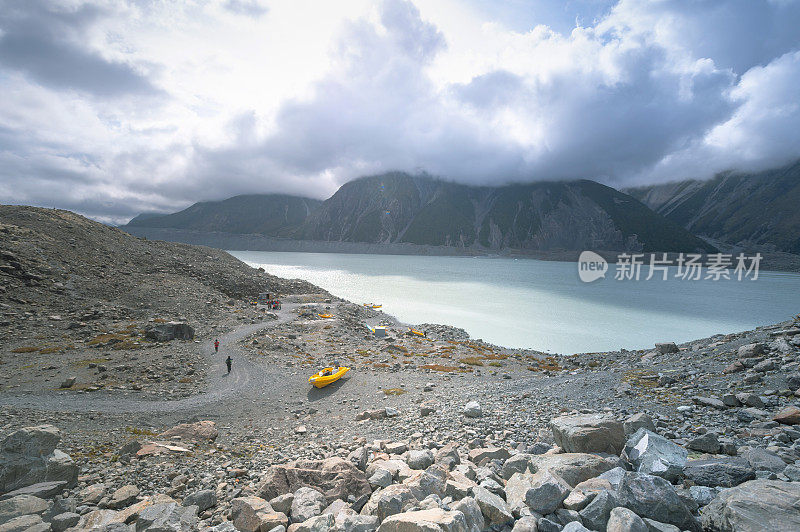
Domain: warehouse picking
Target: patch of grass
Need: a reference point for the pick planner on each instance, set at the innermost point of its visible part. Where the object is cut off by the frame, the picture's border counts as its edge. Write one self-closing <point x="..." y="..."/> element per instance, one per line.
<point x="545" y="364"/>
<point x="56" y="349"/>
<point x="380" y="365"/>
<point x="140" y="432"/>
<point x="107" y="337"/>
<point x="29" y="349"/>
<point x="185" y="380"/>
<point x="472" y="361"/>
<point x="439" y="367"/>
<point x="126" y="344"/>
<point x="495" y="364"/>
<point x="394" y="391"/>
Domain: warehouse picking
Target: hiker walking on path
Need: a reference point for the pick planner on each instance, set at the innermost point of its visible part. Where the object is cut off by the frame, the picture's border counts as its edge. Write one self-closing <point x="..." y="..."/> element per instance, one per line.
<point x="228" y="362"/>
<point x="216" y="345"/>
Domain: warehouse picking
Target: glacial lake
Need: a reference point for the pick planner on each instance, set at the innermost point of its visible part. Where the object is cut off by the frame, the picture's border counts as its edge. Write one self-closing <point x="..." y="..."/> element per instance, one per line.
<point x="539" y="304"/>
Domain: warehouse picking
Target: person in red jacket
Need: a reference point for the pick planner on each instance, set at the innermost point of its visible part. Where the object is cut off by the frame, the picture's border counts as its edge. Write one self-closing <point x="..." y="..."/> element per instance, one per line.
<point x="216" y="345"/>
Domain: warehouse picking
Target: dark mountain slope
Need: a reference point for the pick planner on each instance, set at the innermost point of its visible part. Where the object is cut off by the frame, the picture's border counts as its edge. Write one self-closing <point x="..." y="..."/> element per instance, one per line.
<point x="269" y="214"/>
<point x="755" y="210"/>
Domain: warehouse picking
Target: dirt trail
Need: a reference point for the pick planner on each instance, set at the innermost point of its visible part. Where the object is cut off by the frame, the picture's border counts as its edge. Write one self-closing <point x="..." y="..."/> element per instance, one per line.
<point x="245" y="375"/>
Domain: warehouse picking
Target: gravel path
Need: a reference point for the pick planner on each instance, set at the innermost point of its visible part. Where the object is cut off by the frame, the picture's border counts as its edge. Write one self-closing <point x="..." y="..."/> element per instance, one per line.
<point x="245" y="375"/>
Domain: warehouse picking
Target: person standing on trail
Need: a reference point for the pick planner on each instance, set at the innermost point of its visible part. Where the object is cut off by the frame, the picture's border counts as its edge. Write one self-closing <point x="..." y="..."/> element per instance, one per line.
<point x="228" y="362"/>
<point x="216" y="345"/>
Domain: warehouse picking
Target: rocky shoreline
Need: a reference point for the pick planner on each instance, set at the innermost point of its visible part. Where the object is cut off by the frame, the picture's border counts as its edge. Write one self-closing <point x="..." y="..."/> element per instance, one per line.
<point x="434" y="432"/>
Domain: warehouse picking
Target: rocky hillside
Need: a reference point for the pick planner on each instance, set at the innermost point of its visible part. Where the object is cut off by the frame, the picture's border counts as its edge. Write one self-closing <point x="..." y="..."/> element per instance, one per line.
<point x="58" y="266"/>
<point x="750" y="210"/>
<point x="268" y="214"/>
<point x="397" y="207"/>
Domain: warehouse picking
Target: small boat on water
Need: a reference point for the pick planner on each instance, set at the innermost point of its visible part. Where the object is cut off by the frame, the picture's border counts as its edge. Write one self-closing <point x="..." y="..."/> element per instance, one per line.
<point x="327" y="376"/>
<point x="324" y="316"/>
<point x="377" y="306"/>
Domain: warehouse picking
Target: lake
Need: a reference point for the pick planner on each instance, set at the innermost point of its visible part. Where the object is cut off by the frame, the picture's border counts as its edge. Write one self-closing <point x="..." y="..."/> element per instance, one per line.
<point x="540" y="304"/>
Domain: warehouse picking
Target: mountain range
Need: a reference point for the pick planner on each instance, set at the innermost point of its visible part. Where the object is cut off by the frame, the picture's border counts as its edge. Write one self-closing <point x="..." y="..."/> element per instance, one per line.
<point x="754" y="211"/>
<point x="400" y="208"/>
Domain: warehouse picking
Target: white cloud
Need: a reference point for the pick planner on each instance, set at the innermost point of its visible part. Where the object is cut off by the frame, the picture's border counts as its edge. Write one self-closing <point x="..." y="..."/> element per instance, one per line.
<point x="112" y="107"/>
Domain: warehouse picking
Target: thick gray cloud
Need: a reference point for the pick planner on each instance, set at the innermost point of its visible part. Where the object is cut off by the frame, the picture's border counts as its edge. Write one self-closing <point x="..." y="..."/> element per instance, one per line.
<point x="97" y="120"/>
<point x="44" y="41"/>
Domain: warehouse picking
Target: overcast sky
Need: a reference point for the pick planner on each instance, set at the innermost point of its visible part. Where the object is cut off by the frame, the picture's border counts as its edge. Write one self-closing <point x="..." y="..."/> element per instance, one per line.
<point x="111" y="108"/>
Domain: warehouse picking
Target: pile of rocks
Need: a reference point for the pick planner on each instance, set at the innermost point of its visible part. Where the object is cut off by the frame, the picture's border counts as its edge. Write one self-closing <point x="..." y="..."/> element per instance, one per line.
<point x="602" y="473"/>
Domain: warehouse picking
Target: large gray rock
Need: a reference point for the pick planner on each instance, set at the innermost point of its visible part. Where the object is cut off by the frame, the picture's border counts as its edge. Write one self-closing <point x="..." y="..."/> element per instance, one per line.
<point x="319" y="523"/>
<point x="655" y="498"/>
<point x="763" y="460"/>
<point x="251" y="513"/>
<point x="624" y="520"/>
<point x="420" y="459"/>
<point x="25" y="523"/>
<point x="481" y="456"/>
<point x="43" y="490"/>
<point x="493" y="508"/>
<point x="335" y="477"/>
<point x="167" y="517"/>
<point x="124" y="496"/>
<point x="64" y="520"/>
<point x="307" y="503"/>
<point x="638" y="421"/>
<point x="22" y="505"/>
<point x="203" y="499"/>
<point x="724" y="472"/>
<point x="432" y="481"/>
<point x="434" y="520"/>
<point x="472" y="512"/>
<point x="526" y="524"/>
<point x="542" y="492"/>
<point x="29" y="456"/>
<point x="588" y="433"/>
<point x="598" y="511"/>
<point x="390" y="501"/>
<point x="705" y="443"/>
<point x="172" y="330"/>
<point x="751" y="350"/>
<point x="755" y="506"/>
<point x="348" y="522"/>
<point x="653" y="454"/>
<point x="574" y="467"/>
<point x="473" y="409"/>
<point x="519" y="463"/>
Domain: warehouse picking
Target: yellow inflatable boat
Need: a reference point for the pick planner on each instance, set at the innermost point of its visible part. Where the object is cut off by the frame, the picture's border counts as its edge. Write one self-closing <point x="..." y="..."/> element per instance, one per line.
<point x="327" y="376"/>
<point x="325" y="316"/>
<point x="415" y="332"/>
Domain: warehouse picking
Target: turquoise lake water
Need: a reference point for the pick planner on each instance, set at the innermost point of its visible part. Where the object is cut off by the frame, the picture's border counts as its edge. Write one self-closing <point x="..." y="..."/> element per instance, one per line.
<point x="539" y="304"/>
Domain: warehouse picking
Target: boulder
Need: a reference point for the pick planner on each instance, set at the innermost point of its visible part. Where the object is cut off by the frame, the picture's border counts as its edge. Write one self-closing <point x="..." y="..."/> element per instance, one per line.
<point x="167" y="517"/>
<point x="92" y="494"/>
<point x="573" y="526"/>
<point x="493" y="508"/>
<point x="435" y="520"/>
<point x="789" y="415"/>
<point x="751" y="350"/>
<point x="526" y="524"/>
<point x="352" y="522"/>
<point x="64" y="520"/>
<point x="390" y="501"/>
<point x="624" y="520"/>
<point x="22" y="505"/>
<point x="249" y="513"/>
<point x="573" y="467"/>
<point x="583" y="493"/>
<point x="200" y="431"/>
<point x="172" y="330"/>
<point x="420" y="459"/>
<point x="203" y="499"/>
<point x="124" y="496"/>
<point x="655" y="498"/>
<point x="448" y="456"/>
<point x="43" y="490"/>
<point x="638" y="421"/>
<point x="711" y="402"/>
<point x="519" y="463"/>
<point x="755" y="506"/>
<point x="725" y="472"/>
<point x="432" y="481"/>
<point x="381" y="478"/>
<point x="336" y="478"/>
<point x="359" y="458"/>
<point x="307" y="503"/>
<point x="705" y="443"/>
<point x="542" y="492"/>
<point x="320" y="523"/>
<point x="597" y="512"/>
<point x="25" y="523"/>
<point x="29" y="456"/>
<point x="481" y="456"/>
<point x="653" y="454"/>
<point x="667" y="347"/>
<point x="472" y="512"/>
<point x="473" y="409"/>
<point x="762" y="459"/>
<point x="588" y="433"/>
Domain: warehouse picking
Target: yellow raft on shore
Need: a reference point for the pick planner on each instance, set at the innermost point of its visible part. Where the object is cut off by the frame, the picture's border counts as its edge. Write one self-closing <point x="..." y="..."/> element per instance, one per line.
<point x="325" y="315"/>
<point x="327" y="376"/>
<point x="416" y="332"/>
